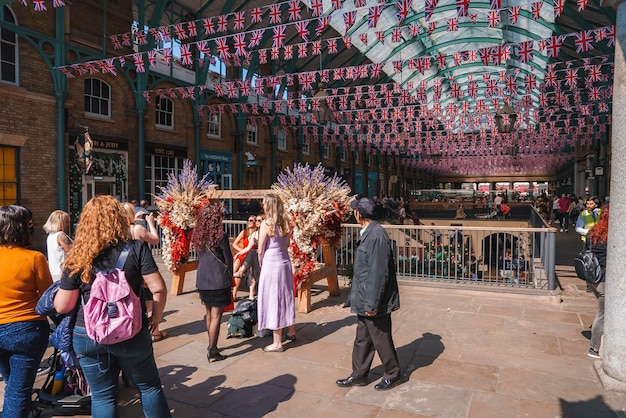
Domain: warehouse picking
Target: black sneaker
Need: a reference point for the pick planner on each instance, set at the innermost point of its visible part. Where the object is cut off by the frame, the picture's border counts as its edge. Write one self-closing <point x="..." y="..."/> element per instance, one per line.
<point x="593" y="353"/>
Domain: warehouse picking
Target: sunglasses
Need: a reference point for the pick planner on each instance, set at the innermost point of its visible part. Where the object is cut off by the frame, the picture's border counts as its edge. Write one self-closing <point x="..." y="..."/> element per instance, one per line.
<point x="259" y="220"/>
<point x="251" y="220"/>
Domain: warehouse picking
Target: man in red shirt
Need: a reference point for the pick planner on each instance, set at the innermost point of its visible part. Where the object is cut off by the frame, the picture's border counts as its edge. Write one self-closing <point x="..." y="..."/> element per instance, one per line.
<point x="563" y="211"/>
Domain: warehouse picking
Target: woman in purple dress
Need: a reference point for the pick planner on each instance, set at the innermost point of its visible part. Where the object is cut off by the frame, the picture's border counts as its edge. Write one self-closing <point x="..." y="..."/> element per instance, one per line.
<point x="276" y="297"/>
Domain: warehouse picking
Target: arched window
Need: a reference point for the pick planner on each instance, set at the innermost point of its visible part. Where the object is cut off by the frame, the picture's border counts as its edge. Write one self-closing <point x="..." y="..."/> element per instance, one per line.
<point x="8" y="48"/>
<point x="97" y="97"/>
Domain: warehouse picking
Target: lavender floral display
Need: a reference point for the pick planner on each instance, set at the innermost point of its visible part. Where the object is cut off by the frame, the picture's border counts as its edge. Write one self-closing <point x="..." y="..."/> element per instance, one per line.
<point x="317" y="205"/>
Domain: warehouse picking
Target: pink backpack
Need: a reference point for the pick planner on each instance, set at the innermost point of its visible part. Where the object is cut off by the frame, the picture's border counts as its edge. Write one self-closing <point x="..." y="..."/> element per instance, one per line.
<point x="113" y="312"/>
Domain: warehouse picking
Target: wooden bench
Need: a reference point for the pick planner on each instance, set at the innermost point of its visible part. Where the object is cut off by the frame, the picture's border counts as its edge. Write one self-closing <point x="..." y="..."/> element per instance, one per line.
<point x="327" y="271"/>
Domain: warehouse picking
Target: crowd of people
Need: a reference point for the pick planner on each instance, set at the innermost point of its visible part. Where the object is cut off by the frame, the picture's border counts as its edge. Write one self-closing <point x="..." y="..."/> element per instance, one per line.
<point x="107" y="228"/>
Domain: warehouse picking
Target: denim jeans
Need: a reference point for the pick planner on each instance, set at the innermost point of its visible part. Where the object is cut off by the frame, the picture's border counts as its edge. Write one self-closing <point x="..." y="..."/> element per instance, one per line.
<point x="22" y="345"/>
<point x="101" y="365"/>
<point x="597" y="329"/>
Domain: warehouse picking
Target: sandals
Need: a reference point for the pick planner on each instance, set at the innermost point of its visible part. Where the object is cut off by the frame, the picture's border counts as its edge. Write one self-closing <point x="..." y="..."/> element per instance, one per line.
<point x="158" y="336"/>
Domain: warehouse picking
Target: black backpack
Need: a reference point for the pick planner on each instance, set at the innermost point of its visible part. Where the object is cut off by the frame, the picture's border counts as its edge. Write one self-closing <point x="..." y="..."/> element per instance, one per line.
<point x="588" y="267"/>
<point x="242" y="319"/>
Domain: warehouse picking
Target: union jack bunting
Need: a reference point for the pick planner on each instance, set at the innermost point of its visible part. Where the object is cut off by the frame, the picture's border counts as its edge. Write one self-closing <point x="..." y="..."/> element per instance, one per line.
<point x="138" y="60"/>
<point x="462" y="7"/>
<point x="514" y="13"/>
<point x="317" y="7"/>
<point x="302" y="50"/>
<point x="275" y="14"/>
<point x="373" y="15"/>
<point x="58" y="3"/>
<point x="347" y="41"/>
<point x="126" y="39"/>
<point x="239" y="20"/>
<point x="396" y="35"/>
<point x="495" y="4"/>
<point x="222" y="48"/>
<point x="525" y="52"/>
<point x="209" y="27"/>
<point x="222" y="23"/>
<point x="322" y="23"/>
<point x="609" y="34"/>
<point x="571" y="77"/>
<point x="535" y="9"/>
<point x="167" y="55"/>
<point x="493" y="18"/>
<point x="303" y="29"/>
<point x="431" y="27"/>
<point x="582" y="5"/>
<point x="558" y="7"/>
<point x="239" y="42"/>
<point x="256" y="15"/>
<point x="186" y="55"/>
<point x="151" y="59"/>
<point x="429" y="8"/>
<point x="349" y="19"/>
<point x="404" y="7"/>
<point x="473" y="17"/>
<point x="380" y="35"/>
<point x="441" y="61"/>
<point x="415" y="29"/>
<point x="141" y="38"/>
<point x="583" y="41"/>
<point x="115" y="42"/>
<point x="553" y="46"/>
<point x="278" y="37"/>
<point x="453" y="24"/>
<point x="294" y="11"/>
<point x="332" y="46"/>
<point x="337" y="4"/>
<point x="39" y="5"/>
<point x="255" y="38"/>
<point x="191" y="28"/>
<point x="363" y="38"/>
<point x="360" y="3"/>
<point x="274" y="54"/>
<point x="317" y="47"/>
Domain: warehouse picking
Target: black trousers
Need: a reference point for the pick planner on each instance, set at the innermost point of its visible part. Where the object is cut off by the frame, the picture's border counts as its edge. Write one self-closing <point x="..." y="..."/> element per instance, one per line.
<point x="373" y="334"/>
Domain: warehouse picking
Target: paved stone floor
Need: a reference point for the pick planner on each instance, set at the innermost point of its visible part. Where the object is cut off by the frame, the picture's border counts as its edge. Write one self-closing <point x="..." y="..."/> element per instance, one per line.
<point x="466" y="353"/>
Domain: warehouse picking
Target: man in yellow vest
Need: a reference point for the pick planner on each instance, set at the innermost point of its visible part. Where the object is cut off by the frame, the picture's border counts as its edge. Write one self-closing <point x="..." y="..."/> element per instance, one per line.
<point x="588" y="217"/>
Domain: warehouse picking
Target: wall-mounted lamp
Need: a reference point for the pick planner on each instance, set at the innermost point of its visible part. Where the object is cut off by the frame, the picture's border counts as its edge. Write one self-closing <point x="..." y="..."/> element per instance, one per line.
<point x="505" y="119"/>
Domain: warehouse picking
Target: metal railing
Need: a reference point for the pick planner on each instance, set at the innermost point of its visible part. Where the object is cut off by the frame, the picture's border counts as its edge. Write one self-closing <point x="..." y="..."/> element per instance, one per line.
<point x="520" y="257"/>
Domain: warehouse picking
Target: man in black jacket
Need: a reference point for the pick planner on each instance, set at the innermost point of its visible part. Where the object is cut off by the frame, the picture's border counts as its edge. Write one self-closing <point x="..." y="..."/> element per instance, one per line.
<point x="374" y="295"/>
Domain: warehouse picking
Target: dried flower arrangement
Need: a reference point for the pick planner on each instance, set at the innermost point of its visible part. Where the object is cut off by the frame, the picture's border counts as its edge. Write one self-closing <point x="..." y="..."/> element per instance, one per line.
<point x="317" y="205"/>
<point x="179" y="202"/>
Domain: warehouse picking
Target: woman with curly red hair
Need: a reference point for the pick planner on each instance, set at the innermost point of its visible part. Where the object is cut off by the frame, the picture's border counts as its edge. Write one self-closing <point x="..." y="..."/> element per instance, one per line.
<point x="597" y="240"/>
<point x="215" y="270"/>
<point x="103" y="232"/>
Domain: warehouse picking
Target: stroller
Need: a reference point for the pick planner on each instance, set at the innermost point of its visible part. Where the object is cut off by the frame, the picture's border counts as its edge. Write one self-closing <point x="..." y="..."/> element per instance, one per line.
<point x="70" y="396"/>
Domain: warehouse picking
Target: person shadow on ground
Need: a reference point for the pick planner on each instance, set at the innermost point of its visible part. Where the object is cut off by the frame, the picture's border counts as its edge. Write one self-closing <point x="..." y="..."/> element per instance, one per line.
<point x="417" y="354"/>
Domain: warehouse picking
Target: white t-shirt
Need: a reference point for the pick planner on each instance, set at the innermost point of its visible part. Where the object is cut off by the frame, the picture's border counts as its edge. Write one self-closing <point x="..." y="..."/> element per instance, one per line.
<point x="56" y="255"/>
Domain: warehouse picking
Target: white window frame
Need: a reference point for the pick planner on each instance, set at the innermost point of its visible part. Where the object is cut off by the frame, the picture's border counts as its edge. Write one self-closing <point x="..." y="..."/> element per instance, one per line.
<point x="15" y="63"/>
<point x="103" y="100"/>
<point x="214" y="126"/>
<point x="281" y="139"/>
<point x="252" y="137"/>
<point x="325" y="151"/>
<point x="306" y="146"/>
<point x="164" y="108"/>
